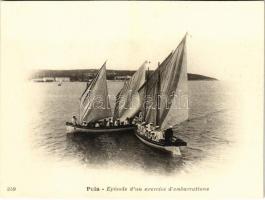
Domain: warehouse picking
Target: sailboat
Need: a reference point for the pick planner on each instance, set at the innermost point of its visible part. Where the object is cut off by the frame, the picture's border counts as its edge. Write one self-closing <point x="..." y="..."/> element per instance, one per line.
<point x="60" y="83"/>
<point x="165" y="97"/>
<point x="95" y="107"/>
<point x="128" y="102"/>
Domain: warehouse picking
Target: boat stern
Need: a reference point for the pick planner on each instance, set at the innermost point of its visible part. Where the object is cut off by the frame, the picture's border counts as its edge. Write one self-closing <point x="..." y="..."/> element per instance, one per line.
<point x="174" y="150"/>
<point x="70" y="128"/>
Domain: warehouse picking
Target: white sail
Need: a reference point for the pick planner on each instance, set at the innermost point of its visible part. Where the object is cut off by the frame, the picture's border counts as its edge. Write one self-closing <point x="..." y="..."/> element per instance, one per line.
<point x="176" y="109"/>
<point x="120" y="101"/>
<point x="94" y="102"/>
<point x="166" y="91"/>
<point x="128" y="101"/>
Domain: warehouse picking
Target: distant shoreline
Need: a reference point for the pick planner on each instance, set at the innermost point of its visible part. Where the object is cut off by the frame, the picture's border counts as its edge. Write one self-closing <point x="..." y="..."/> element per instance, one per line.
<point x="84" y="75"/>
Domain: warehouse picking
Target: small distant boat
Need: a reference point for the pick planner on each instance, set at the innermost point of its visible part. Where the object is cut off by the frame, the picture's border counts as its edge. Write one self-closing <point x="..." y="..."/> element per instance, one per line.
<point x="95" y="106"/>
<point x="165" y="97"/>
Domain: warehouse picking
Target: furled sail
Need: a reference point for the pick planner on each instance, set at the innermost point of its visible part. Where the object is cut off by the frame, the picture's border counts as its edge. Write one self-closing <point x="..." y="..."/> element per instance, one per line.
<point x="166" y="91"/>
<point x="94" y="102"/>
<point x="127" y="101"/>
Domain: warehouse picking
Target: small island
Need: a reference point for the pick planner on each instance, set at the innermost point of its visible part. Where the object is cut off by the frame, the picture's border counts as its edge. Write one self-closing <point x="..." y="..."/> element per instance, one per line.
<point x="84" y="75"/>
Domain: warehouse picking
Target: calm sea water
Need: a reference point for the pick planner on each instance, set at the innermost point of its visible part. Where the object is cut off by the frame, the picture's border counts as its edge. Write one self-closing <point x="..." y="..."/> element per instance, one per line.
<point x="206" y="131"/>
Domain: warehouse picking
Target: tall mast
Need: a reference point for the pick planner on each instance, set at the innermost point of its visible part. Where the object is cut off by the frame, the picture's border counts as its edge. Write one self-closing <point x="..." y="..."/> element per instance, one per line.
<point x="158" y="96"/>
<point x="145" y="98"/>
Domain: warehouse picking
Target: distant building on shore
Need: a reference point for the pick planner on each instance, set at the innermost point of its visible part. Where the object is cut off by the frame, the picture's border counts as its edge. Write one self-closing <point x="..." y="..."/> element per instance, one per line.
<point x="122" y="77"/>
<point x="90" y="75"/>
<point x="62" y="79"/>
<point x="52" y="79"/>
<point x="48" y="79"/>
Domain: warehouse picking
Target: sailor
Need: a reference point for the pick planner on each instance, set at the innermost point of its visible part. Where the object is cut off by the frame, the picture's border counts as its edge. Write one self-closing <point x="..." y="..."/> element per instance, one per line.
<point x="135" y="120"/>
<point x="168" y="135"/>
<point x="149" y="127"/>
<point x="92" y="124"/>
<point x="140" y="118"/>
<point x="144" y="130"/>
<point x="118" y="122"/>
<point x="129" y="119"/>
<point x="115" y="123"/>
<point x="158" y="135"/>
<point x="108" y="123"/>
<point x="74" y="120"/>
<point x="104" y="122"/>
<point x="126" y="121"/>
<point x="149" y="134"/>
<point x="148" y="130"/>
<point x="97" y="125"/>
<point x="143" y="126"/>
<point x="152" y="127"/>
<point x="153" y="136"/>
<point x="89" y="125"/>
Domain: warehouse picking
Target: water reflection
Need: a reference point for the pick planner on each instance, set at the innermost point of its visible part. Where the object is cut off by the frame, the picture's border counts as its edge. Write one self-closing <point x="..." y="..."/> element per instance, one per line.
<point x="124" y="149"/>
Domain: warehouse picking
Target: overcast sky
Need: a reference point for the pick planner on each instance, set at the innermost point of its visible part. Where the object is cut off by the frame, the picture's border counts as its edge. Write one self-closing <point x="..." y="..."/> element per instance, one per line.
<point x="225" y="36"/>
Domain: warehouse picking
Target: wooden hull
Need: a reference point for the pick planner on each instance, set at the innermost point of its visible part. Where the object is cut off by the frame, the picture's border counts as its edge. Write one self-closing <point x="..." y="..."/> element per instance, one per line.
<point x="173" y="148"/>
<point x="70" y="128"/>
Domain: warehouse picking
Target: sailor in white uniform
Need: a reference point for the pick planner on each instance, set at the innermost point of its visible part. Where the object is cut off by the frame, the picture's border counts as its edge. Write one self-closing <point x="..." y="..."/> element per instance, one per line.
<point x="74" y="120"/>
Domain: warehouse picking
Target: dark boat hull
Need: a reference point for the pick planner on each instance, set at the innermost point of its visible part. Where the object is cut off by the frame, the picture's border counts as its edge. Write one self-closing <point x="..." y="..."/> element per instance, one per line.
<point x="70" y="128"/>
<point x="173" y="147"/>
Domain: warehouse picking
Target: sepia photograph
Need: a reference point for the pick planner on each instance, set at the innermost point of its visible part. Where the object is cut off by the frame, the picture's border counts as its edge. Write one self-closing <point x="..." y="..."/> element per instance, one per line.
<point x="133" y="99"/>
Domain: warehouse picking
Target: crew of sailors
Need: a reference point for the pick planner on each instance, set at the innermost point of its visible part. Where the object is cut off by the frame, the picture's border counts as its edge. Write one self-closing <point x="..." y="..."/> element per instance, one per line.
<point x="148" y="130"/>
<point x="151" y="132"/>
<point x="105" y="123"/>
